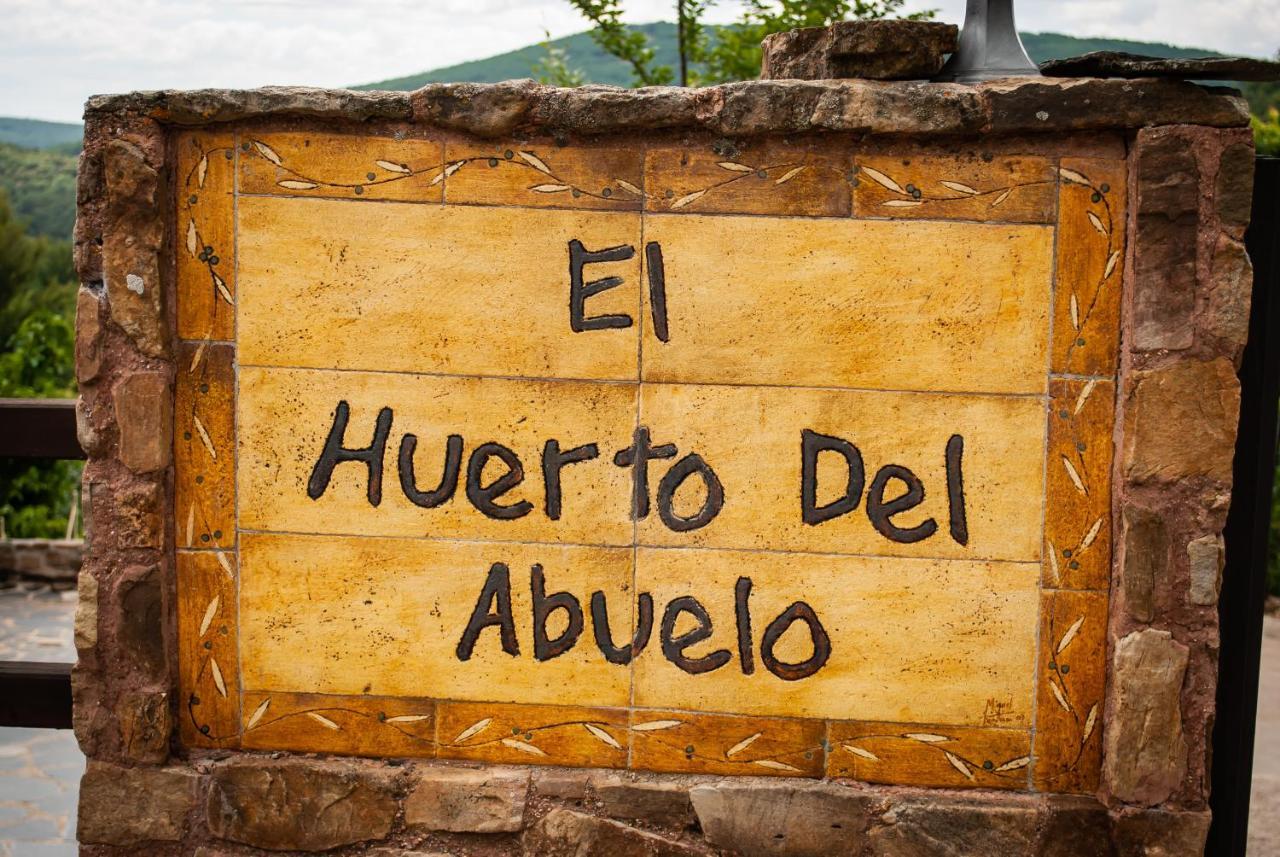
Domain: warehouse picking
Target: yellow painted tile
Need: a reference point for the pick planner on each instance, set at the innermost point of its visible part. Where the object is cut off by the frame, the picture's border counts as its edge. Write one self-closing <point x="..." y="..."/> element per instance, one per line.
<point x="414" y="288"/>
<point x="1091" y="229"/>
<point x="848" y="303"/>
<point x="1078" y="506"/>
<point x="932" y="756"/>
<point x="540" y="173"/>
<point x="208" y="662"/>
<point x="1005" y="188"/>
<point x="752" y="438"/>
<point x="205" y="227"/>
<point x="1070" y="699"/>
<point x="351" y="725"/>
<point x="512" y="734"/>
<point x="759" y="177"/>
<point x="286" y="416"/>
<point x="910" y="641"/>
<point x="386" y="617"/>
<point x="204" y="488"/>
<point x="695" y="742"/>
<point x="344" y="166"/>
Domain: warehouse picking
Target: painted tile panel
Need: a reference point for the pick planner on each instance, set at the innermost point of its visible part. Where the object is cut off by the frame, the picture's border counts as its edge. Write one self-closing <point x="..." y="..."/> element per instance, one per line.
<point x="957" y="469"/>
<point x="748" y="177"/>
<point x="998" y="188"/>
<point x="457" y="289"/>
<point x="453" y="457"/>
<point x="849" y="303"/>
<point x="540" y="173"/>
<point x="1090" y="265"/>
<point x="342" y="166"/>
<point x="205" y="229"/>
<point x="431" y="619"/>
<point x="849" y="638"/>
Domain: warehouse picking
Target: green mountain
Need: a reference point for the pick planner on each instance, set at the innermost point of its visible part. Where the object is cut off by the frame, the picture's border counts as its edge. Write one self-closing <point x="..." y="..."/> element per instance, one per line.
<point x="599" y="67"/>
<point x="41" y="187"/>
<point x="595" y="64"/>
<point x="38" y="134"/>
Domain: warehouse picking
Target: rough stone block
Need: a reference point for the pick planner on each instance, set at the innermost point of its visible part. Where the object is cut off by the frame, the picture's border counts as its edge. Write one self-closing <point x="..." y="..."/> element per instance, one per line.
<point x="1075" y="827"/>
<point x="1160" y="834"/>
<point x="1164" y="286"/>
<point x="876" y="50"/>
<point x="132" y="236"/>
<point x="1230" y="294"/>
<point x="949" y="828"/>
<point x="566" y="833"/>
<point x="1046" y="104"/>
<point x="144" y="413"/>
<point x="136" y="520"/>
<point x="88" y="337"/>
<point x="766" y="818"/>
<point x="146" y="723"/>
<point x="138" y="620"/>
<point x="90" y="721"/>
<point x="463" y="800"/>
<point x="1180" y="421"/>
<point x="563" y="784"/>
<point x="1233" y="191"/>
<point x="86" y="621"/>
<point x="1205" y="557"/>
<point x="662" y="803"/>
<point x="303" y="805"/>
<point x="87" y="435"/>
<point x="129" y="806"/>
<point x="1146" y="561"/>
<point x="1145" y="754"/>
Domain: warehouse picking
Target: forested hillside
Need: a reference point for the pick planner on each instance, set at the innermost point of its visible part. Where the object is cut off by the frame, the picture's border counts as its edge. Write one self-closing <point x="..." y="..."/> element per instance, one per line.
<point x="41" y="187"/>
<point x="37" y="134"/>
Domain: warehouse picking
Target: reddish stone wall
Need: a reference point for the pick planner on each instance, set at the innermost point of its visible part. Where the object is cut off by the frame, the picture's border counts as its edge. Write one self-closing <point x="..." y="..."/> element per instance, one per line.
<point x="1185" y="315"/>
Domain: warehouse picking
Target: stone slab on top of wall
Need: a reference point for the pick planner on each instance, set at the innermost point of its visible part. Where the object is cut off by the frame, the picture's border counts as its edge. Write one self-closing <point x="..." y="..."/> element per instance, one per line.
<point x="1031" y="672"/>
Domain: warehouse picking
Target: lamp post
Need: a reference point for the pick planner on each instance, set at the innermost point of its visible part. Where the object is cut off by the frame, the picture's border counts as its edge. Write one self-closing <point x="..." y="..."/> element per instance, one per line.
<point x="989" y="46"/>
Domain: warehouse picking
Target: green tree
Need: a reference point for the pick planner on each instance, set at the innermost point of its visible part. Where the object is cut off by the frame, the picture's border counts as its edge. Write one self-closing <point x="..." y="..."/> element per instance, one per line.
<point x="733" y="53"/>
<point x="626" y="44"/>
<point x="554" y="67"/>
<point x="1266" y="133"/>
<point x="37" y="344"/>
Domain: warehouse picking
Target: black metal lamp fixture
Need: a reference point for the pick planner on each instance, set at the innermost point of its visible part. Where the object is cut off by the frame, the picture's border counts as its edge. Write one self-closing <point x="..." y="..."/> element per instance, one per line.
<point x="989" y="46"/>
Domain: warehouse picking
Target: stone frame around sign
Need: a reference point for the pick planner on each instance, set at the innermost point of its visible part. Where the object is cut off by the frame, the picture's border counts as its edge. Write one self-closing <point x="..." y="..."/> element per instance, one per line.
<point x="1187" y="159"/>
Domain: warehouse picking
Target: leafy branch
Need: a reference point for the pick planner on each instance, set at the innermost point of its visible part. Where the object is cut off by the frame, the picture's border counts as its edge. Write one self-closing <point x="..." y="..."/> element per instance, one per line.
<point x="616" y="38"/>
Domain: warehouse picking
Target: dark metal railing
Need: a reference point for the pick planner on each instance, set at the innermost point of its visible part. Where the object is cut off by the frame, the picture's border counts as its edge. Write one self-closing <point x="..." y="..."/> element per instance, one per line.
<point x="33" y="694"/>
<point x="1244" y="580"/>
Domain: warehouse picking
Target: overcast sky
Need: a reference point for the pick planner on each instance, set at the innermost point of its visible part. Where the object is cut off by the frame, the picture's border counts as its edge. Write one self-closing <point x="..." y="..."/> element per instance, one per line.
<point x="54" y="53"/>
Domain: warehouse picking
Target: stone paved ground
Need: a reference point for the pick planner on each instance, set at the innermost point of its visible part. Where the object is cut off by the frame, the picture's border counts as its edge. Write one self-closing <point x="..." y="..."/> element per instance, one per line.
<point x="1264" y="807"/>
<point x="39" y="768"/>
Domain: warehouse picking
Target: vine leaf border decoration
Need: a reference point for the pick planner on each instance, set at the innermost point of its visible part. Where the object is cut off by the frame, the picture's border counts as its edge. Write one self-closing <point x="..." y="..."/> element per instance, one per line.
<point x="1058" y="679"/>
<point x="1078" y="473"/>
<point x="194" y="240"/>
<point x="546" y="180"/>
<point x="967" y="767"/>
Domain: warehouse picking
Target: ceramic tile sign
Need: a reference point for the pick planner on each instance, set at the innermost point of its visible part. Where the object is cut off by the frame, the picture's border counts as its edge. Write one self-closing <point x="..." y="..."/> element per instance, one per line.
<point x="791" y="462"/>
